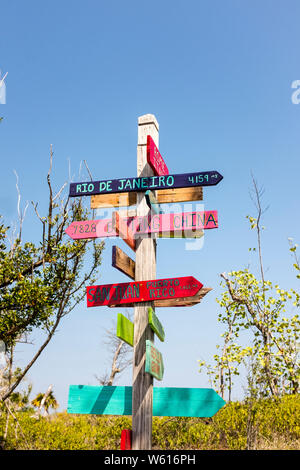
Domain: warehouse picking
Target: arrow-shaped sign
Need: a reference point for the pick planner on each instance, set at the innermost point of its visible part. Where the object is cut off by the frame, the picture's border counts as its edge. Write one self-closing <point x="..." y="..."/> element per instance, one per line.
<point x="155" y="159"/>
<point x="142" y="291"/>
<point x="138" y="184"/>
<point x="167" y="401"/>
<point x="164" y="225"/>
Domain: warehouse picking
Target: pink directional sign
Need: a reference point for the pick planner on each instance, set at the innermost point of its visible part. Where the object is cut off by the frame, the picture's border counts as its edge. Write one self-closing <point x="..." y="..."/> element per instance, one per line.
<point x="91" y="229"/>
<point x="155" y="223"/>
<point x="174" y="222"/>
<point x="155" y="159"/>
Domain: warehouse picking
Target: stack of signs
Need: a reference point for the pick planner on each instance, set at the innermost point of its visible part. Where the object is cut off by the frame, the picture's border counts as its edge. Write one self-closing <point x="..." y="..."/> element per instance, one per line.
<point x="162" y="187"/>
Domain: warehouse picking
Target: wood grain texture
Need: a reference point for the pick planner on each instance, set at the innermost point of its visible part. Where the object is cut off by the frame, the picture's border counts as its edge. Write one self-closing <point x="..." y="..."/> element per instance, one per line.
<point x="113" y="200"/>
<point x="123" y="231"/>
<point x="145" y="268"/>
<point x="122" y="262"/>
<point x="164" y="196"/>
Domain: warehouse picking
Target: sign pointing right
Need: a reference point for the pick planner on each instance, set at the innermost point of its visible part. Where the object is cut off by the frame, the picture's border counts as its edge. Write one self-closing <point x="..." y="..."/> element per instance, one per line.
<point x="142" y="291"/>
<point x="141" y="184"/>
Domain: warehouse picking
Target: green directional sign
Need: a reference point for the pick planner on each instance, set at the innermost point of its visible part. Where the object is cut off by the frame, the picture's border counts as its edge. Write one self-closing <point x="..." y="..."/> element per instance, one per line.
<point x="167" y="401"/>
<point x="154" y="362"/>
<point x="155" y="324"/>
<point x="125" y="329"/>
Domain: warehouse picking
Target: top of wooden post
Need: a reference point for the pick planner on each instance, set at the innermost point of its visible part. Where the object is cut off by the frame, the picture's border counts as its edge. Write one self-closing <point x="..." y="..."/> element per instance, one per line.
<point x="148" y="119"/>
<point x="147" y="125"/>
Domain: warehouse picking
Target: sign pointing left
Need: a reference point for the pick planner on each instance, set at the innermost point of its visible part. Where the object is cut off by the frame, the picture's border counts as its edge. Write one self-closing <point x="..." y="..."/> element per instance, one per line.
<point x="162" y="224"/>
<point x="142" y="291"/>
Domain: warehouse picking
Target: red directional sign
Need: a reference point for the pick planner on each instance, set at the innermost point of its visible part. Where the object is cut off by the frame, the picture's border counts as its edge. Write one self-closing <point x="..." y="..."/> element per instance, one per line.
<point x="142" y="291"/>
<point x="155" y="159"/>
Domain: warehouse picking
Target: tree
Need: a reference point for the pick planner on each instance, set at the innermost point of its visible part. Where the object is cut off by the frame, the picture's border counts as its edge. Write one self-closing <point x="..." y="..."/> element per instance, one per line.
<point x="258" y="306"/>
<point x="45" y="400"/>
<point x="119" y="352"/>
<point x="41" y="283"/>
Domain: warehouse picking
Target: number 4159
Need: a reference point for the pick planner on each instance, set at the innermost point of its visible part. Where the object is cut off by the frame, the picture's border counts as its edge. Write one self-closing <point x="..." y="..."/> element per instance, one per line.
<point x="198" y="179"/>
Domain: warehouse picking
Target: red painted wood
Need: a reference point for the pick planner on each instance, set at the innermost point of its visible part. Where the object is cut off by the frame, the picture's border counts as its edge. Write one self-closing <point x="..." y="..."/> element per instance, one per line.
<point x="155" y="223"/>
<point x="126" y="437"/>
<point x="155" y="159"/>
<point x="142" y="291"/>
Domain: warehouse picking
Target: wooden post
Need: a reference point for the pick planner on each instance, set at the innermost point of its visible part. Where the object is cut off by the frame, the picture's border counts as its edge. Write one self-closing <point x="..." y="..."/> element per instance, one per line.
<point x="145" y="268"/>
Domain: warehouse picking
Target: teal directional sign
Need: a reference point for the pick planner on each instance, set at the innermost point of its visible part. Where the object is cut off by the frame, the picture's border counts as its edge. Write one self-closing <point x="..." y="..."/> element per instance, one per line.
<point x="152" y="202"/>
<point x="167" y="401"/>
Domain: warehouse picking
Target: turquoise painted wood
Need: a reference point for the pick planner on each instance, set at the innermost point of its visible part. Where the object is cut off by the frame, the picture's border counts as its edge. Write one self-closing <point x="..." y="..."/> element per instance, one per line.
<point x="105" y="400"/>
<point x="152" y="202"/>
<point x="167" y="401"/>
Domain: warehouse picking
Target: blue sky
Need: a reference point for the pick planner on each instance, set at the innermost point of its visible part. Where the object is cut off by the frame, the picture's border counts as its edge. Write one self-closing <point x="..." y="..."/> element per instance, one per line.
<point x="217" y="75"/>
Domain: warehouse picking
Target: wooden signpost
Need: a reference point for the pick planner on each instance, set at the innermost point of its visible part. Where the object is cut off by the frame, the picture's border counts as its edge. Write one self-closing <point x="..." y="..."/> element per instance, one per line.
<point x="142" y="291"/>
<point x="139" y="229"/>
<point x="145" y="268"/>
<point x="184" y="225"/>
<point x="154" y="361"/>
<point x="142" y="183"/>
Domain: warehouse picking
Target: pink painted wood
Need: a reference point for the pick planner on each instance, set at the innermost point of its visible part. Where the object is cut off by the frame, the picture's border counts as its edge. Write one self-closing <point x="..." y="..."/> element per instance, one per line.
<point x="155" y="223"/>
<point x="155" y="159"/>
<point x="170" y="223"/>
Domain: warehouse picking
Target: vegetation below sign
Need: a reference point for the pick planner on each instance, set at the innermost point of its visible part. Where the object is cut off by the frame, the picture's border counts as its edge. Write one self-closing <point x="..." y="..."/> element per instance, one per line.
<point x="275" y="426"/>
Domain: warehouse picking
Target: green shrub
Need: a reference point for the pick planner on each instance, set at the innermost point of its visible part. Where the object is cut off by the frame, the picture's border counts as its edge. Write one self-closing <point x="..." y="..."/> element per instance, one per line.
<point x="272" y="422"/>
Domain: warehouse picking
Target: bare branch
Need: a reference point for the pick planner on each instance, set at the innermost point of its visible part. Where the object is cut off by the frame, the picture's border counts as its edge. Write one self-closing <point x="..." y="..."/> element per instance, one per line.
<point x="90" y="174"/>
<point x="21" y="215"/>
<point x="59" y="192"/>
